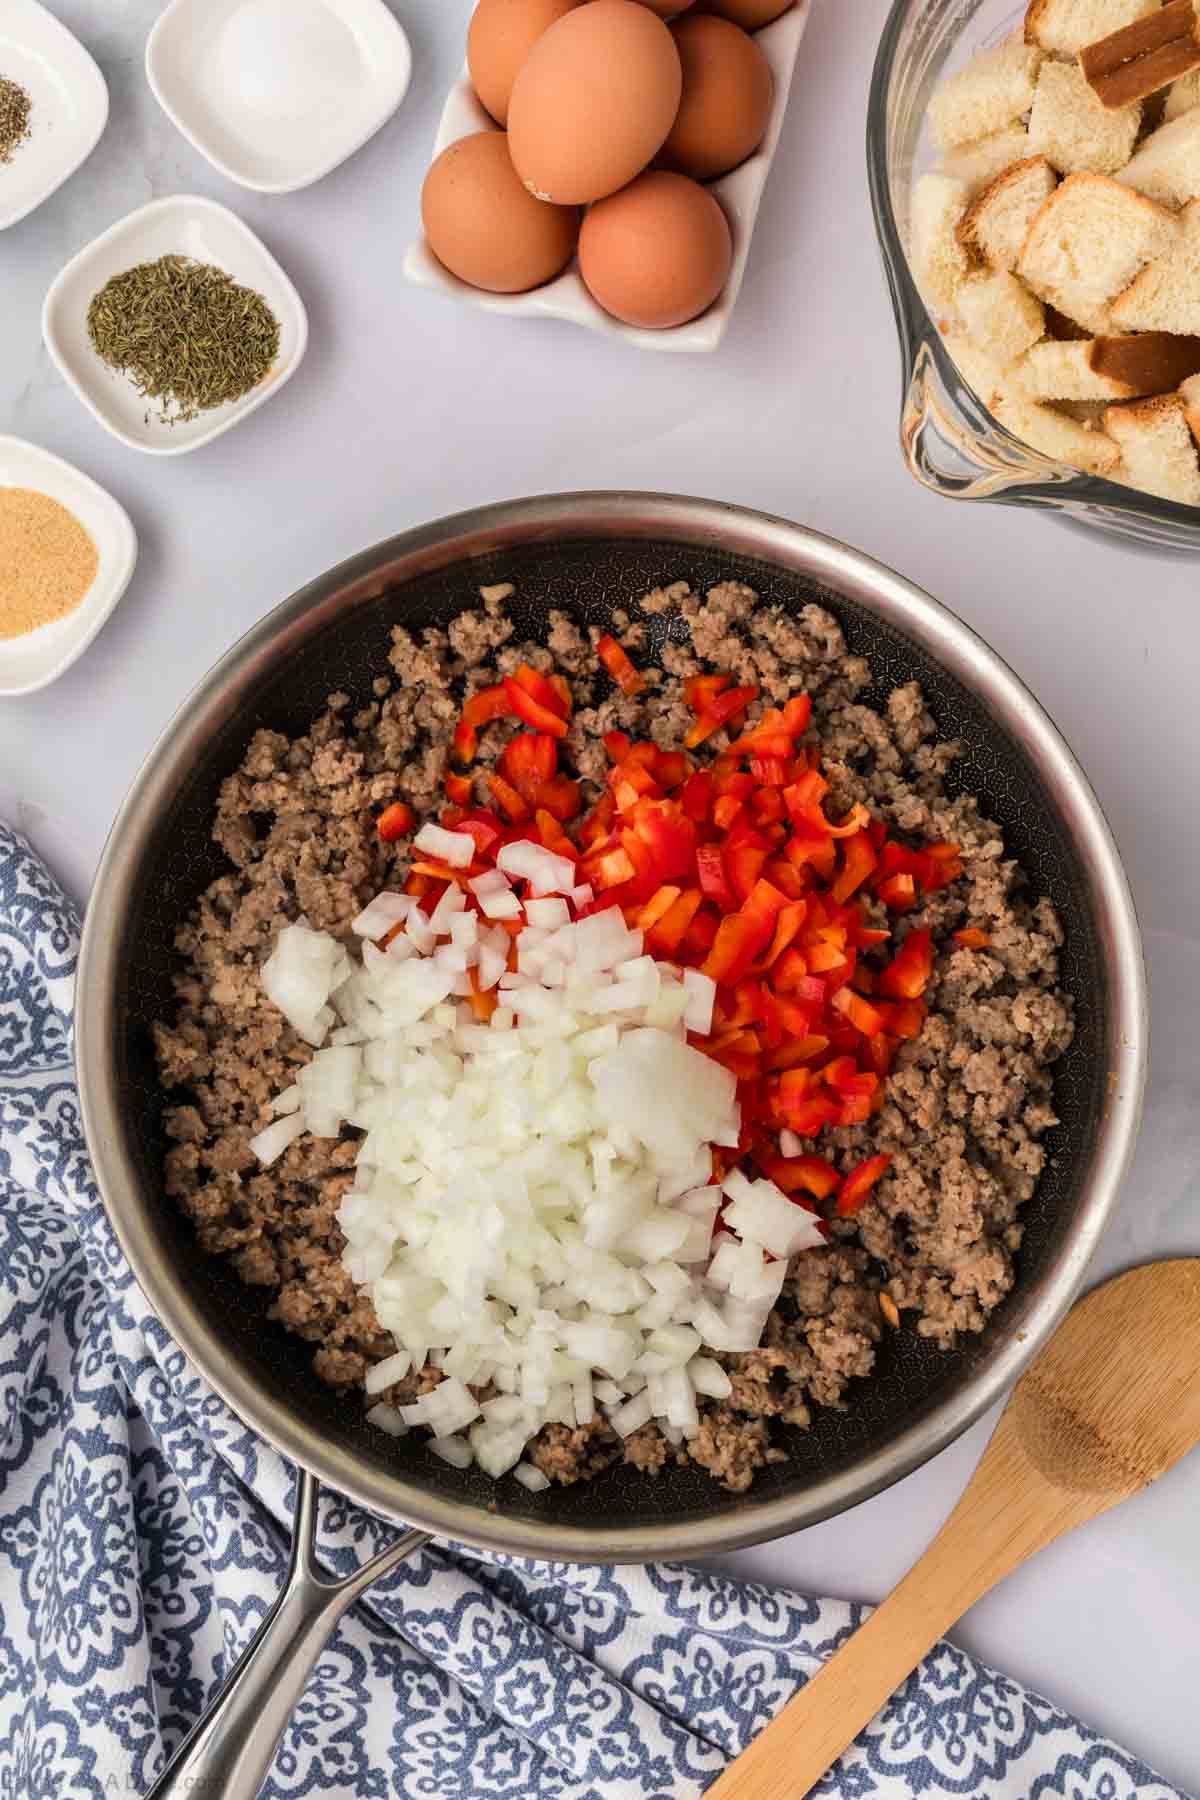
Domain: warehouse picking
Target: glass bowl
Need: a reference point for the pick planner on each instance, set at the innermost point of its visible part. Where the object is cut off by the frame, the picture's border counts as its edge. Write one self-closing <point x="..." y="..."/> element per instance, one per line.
<point x="950" y="442"/>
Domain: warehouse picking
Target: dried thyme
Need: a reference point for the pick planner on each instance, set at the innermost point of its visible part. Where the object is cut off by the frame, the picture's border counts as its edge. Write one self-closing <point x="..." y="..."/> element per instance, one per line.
<point x="15" y="107"/>
<point x="186" y="334"/>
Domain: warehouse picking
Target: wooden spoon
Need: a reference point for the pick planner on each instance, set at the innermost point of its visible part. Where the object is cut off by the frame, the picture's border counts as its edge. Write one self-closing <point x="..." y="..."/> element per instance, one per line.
<point x="1112" y="1402"/>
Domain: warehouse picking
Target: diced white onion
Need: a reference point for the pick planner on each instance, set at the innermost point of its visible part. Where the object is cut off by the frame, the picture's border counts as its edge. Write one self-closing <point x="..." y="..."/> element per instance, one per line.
<point x="386" y="1418"/>
<point x="381" y="1375"/>
<point x="384" y="911"/>
<point x="531" y="1478"/>
<point x="455" y="848"/>
<point x="270" y="1143"/>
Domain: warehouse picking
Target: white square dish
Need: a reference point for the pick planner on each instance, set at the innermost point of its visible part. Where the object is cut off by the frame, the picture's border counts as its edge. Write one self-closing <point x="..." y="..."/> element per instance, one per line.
<point x="276" y="93"/>
<point x="40" y="657"/>
<point x="68" y="105"/>
<point x="184" y="225"/>
<point x="740" y="194"/>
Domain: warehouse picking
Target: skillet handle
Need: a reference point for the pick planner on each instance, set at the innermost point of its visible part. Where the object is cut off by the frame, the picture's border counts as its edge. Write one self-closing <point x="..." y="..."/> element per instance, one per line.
<point x="229" y="1750"/>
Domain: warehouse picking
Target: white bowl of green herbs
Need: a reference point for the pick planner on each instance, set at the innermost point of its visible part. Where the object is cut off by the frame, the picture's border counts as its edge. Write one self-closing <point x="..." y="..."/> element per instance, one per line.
<point x="174" y="325"/>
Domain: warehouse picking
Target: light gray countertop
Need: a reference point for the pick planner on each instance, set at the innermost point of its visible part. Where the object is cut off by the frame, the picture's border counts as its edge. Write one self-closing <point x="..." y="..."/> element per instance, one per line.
<point x="409" y="407"/>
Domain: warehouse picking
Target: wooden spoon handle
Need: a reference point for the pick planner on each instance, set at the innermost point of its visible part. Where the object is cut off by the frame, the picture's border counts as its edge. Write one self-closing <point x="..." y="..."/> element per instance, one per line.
<point x="996" y="1526"/>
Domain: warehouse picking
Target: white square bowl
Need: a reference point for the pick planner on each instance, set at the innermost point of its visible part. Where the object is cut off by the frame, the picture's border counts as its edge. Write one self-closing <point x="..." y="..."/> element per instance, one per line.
<point x="740" y="194"/>
<point x="69" y="105"/>
<point x="40" y="657"/>
<point x="263" y="137"/>
<point x="184" y="225"/>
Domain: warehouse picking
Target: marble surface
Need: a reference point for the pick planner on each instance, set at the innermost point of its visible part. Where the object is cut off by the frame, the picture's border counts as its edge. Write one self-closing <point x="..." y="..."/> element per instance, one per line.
<point x="409" y="406"/>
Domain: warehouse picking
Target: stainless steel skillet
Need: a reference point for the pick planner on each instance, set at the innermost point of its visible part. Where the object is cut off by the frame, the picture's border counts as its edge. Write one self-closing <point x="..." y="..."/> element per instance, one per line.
<point x="587" y="553"/>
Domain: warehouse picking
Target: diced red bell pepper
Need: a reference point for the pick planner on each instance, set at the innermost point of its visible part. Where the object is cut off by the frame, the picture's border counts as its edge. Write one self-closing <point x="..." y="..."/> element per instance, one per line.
<point x="696" y="798"/>
<point x="553" y="836"/>
<point x="609" y="868"/>
<point x="972" y="938"/>
<point x="612" y="655"/>
<point x="528" y="761"/>
<point x="808" y="1049"/>
<point x="858" y="1184"/>
<point x="598" y="823"/>
<point x="856" y="820"/>
<point x="395" y="821"/>
<point x="656" y="906"/>
<point x="487" y="705"/>
<point x="543" y="689"/>
<point x="617" y="744"/>
<point x="809" y="1113"/>
<point x="803" y="800"/>
<point x="507" y="799"/>
<point x="672" y="768"/>
<point x="812" y="1173"/>
<point x="724" y="707"/>
<point x="714" y="883"/>
<point x="858" y="862"/>
<point x="727" y="809"/>
<point x="483" y="1005"/>
<point x="907" y="975"/>
<point x="787" y="926"/>
<point x="700" y="691"/>
<point x="797" y="714"/>
<point x="744" y="865"/>
<point x="903" y="1018"/>
<point x="669" y="836"/>
<point x="768" y="807"/>
<point x="434" y="870"/>
<point x="561" y="796"/>
<point x="771" y="771"/>
<point x="701" y="934"/>
<point x="938" y="865"/>
<point x="668" y="934"/>
<point x="742" y="935"/>
<point x="532" y="712"/>
<point x="458" y="789"/>
<point x="861" y="1014"/>
<point x="783" y="876"/>
<point x="898" y="892"/>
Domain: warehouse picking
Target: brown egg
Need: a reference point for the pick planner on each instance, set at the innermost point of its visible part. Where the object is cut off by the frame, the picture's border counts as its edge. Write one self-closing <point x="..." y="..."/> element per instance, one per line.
<point x="483" y="224"/>
<point x="727" y="93"/>
<point x="666" y="9"/>
<point x="593" y="101"/>
<point x="500" y="36"/>
<point x="658" y="253"/>
<point x="751" y="15"/>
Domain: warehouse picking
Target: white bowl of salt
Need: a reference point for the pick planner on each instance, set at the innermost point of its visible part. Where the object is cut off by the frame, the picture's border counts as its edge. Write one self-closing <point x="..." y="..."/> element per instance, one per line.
<point x="276" y="93"/>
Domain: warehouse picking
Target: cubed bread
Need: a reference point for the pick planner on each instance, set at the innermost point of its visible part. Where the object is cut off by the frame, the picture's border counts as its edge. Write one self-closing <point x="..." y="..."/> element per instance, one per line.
<point x="1091" y="237"/>
<point x="1073" y="130"/>
<point x="1065" y="27"/>
<point x="1158" y="451"/>
<point x="993" y="91"/>
<point x="940" y="261"/>
<point x="1054" y="434"/>
<point x="981" y="372"/>
<point x="1000" y="315"/>
<point x="1166" y="295"/>
<point x="1167" y="166"/>
<point x="997" y="223"/>
<point x="1190" y="394"/>
<point x="1053" y="371"/>
<point x="977" y="165"/>
<point x="1182" y="95"/>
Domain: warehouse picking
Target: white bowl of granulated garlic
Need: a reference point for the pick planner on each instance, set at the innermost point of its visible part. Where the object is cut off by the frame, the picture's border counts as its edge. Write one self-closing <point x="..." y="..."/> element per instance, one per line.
<point x="67" y="552"/>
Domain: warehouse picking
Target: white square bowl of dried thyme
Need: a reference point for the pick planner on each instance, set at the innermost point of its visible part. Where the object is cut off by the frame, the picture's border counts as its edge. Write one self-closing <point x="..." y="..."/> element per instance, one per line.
<point x="53" y="106"/>
<point x="174" y="325"/>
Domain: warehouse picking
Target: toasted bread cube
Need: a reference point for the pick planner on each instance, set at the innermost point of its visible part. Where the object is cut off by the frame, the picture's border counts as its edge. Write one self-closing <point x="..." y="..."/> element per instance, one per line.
<point x="1190" y="393"/>
<point x="993" y="91"/>
<point x="977" y="165"/>
<point x="1182" y="95"/>
<point x="1158" y="452"/>
<point x="940" y="262"/>
<point x="1057" y="371"/>
<point x="1073" y="130"/>
<point x="981" y="372"/>
<point x="1054" y="434"/>
<point x="1166" y="295"/>
<point x="1087" y="243"/>
<point x="1167" y="167"/>
<point x="1000" y="315"/>
<point x="1065" y="27"/>
<point x="996" y="225"/>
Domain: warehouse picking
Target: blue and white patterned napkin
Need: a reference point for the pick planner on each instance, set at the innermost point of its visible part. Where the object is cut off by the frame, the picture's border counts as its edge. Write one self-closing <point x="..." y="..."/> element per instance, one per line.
<point x="143" y="1536"/>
